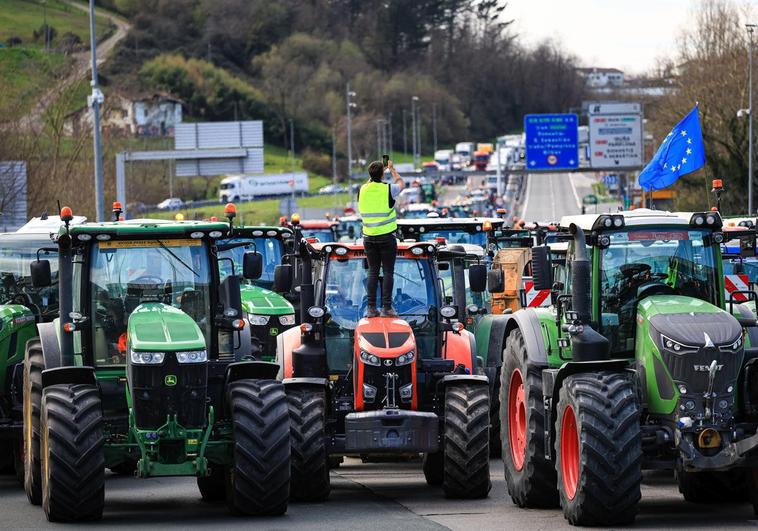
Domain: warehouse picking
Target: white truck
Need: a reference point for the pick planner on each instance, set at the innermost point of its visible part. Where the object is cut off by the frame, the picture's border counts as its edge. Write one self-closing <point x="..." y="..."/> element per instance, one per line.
<point x="246" y="187"/>
<point x="443" y="158"/>
<point x="466" y="150"/>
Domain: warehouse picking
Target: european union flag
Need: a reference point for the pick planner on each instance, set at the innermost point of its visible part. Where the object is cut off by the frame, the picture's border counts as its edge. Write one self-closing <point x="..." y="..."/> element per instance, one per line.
<point x="681" y="152"/>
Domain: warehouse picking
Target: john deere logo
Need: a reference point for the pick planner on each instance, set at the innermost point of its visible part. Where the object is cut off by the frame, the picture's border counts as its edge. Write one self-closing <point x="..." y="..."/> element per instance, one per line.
<point x="274" y="332"/>
<point x="170" y="380"/>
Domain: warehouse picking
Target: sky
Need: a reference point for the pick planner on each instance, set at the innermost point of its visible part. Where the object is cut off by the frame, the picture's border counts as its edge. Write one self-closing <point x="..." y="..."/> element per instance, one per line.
<point x="625" y="34"/>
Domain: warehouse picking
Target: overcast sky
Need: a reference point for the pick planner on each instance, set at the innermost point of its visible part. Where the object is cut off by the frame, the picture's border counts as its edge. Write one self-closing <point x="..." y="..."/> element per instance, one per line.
<point x="625" y="34"/>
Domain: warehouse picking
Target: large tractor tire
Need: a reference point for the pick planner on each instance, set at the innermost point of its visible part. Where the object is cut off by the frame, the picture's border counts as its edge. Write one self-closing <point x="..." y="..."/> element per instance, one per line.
<point x="730" y="486"/>
<point x="259" y="479"/>
<point x="466" y="452"/>
<point x="310" y="463"/>
<point x="34" y="364"/>
<point x="213" y="487"/>
<point x="530" y="476"/>
<point x="598" y="449"/>
<point x="72" y="452"/>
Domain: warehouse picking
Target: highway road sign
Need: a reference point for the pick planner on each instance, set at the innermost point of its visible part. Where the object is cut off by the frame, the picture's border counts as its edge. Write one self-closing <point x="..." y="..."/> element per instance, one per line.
<point x="611" y="180"/>
<point x="615" y="135"/>
<point x="551" y="141"/>
<point x="589" y="199"/>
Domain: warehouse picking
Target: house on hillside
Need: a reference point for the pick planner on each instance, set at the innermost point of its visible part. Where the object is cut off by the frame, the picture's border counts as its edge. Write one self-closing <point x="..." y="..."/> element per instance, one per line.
<point x="602" y="77"/>
<point x="153" y="115"/>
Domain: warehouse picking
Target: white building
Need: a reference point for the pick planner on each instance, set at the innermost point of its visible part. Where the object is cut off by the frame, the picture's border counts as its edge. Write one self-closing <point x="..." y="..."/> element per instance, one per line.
<point x="602" y="77"/>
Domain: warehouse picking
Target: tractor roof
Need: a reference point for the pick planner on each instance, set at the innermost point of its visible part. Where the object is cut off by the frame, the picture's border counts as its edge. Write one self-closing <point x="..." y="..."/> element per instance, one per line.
<point x="258" y="231"/>
<point x="418" y="206"/>
<point x="442" y="222"/>
<point x="632" y="218"/>
<point x="469" y="248"/>
<point x="47" y="224"/>
<point x="358" y="245"/>
<point x="317" y="224"/>
<point x="146" y="227"/>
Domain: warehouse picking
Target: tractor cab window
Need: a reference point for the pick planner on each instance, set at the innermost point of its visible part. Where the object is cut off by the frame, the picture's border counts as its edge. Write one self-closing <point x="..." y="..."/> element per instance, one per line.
<point x="742" y="266"/>
<point x="345" y="298"/>
<point x="271" y="249"/>
<point x="642" y="263"/>
<point x="15" y="281"/>
<point x="454" y="236"/>
<point x="125" y="274"/>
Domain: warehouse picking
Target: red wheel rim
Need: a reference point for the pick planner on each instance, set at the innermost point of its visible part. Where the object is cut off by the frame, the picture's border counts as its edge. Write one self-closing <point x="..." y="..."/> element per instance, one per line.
<point x="569" y="452"/>
<point x="517" y="419"/>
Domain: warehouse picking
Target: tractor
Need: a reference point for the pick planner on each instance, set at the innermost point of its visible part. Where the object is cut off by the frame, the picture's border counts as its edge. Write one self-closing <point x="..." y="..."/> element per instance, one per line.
<point x="145" y="369"/>
<point x="639" y="364"/>
<point x="391" y="386"/>
<point x="267" y="310"/>
<point x="449" y="230"/>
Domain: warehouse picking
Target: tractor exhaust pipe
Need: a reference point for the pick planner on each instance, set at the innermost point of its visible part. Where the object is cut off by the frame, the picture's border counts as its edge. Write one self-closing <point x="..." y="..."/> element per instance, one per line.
<point x="307" y="297"/>
<point x="580" y="276"/>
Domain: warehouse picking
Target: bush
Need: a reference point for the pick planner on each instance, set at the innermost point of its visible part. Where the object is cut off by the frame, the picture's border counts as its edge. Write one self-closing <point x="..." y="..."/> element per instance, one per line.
<point x="13" y="41"/>
<point x="70" y="42"/>
<point x="318" y="163"/>
<point x="40" y="33"/>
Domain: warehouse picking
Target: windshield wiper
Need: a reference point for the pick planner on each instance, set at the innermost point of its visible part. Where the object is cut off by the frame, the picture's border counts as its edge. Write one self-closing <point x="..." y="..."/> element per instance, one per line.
<point x="169" y="251"/>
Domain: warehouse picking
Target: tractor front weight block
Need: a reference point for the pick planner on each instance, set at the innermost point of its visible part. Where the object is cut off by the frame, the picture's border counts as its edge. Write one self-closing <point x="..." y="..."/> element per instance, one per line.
<point x="392" y="430"/>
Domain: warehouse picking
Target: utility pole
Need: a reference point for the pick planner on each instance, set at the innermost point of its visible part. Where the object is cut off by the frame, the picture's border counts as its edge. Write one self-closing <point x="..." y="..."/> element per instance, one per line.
<point x="350" y="105"/>
<point x="292" y="148"/>
<point x="95" y="100"/>
<point x="334" y="169"/>
<point x="389" y="134"/>
<point x="379" y="138"/>
<point x="405" y="139"/>
<point x="414" y="99"/>
<point x="750" y="30"/>
<point x="434" y="125"/>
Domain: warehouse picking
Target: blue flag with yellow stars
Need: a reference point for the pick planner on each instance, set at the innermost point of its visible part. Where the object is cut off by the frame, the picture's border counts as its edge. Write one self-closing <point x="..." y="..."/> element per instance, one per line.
<point x="681" y="152"/>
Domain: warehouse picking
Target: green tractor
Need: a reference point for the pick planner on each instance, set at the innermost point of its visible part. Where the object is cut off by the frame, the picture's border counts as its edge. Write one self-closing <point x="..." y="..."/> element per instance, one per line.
<point x="145" y="370"/>
<point x="22" y="306"/>
<point x="639" y="364"/>
<point x="267" y="310"/>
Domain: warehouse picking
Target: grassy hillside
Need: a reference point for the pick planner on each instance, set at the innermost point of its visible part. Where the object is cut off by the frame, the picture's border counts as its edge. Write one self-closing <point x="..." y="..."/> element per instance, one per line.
<point x="25" y="74"/>
<point x="21" y="18"/>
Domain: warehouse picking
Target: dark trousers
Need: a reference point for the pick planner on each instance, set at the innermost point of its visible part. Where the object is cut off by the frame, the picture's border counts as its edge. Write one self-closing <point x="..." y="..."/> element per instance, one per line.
<point x="381" y="251"/>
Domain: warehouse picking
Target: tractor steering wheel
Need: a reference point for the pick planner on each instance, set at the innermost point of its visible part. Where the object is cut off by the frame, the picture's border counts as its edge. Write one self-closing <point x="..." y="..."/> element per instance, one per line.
<point x="654" y="288"/>
<point x="632" y="270"/>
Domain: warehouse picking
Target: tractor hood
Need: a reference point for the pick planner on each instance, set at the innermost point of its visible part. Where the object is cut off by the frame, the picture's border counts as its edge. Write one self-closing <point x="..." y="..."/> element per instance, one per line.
<point x="384" y="336"/>
<point x="12" y="316"/>
<point x="154" y="326"/>
<point x="689" y="321"/>
<point x="261" y="301"/>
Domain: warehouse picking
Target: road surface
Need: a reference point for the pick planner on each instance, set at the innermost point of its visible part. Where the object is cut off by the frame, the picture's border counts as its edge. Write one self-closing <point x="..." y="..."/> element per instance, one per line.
<point x="375" y="496"/>
<point x="549" y="196"/>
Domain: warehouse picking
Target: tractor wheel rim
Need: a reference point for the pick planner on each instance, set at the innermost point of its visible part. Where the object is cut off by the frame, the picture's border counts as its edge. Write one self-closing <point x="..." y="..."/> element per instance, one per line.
<point x="569" y="453"/>
<point x="517" y="419"/>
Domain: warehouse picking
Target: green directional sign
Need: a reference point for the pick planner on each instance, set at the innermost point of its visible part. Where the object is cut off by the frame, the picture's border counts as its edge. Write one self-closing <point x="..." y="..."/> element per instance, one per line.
<point x="589" y="199"/>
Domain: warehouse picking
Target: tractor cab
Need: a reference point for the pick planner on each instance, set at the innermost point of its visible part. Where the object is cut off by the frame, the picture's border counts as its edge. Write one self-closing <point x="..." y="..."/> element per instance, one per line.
<point x="264" y="301"/>
<point x="380" y="384"/>
<point x="149" y="341"/>
<point x="350" y="228"/>
<point x="468" y="231"/>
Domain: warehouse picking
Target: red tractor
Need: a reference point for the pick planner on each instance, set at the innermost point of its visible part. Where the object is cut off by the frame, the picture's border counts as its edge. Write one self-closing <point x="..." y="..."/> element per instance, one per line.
<point x="401" y="386"/>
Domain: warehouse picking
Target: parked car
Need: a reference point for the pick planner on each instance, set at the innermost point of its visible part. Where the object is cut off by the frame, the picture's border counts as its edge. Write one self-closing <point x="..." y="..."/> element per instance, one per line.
<point x="172" y="203"/>
<point x="332" y="189"/>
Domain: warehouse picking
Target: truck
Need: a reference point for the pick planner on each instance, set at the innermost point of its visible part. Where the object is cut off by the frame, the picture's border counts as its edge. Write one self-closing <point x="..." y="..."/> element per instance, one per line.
<point x="443" y="159"/>
<point x="235" y="188"/>
<point x="465" y="150"/>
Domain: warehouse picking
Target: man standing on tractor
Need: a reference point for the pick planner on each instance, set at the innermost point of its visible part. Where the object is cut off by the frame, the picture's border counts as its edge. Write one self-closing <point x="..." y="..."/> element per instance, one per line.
<point x="376" y="202"/>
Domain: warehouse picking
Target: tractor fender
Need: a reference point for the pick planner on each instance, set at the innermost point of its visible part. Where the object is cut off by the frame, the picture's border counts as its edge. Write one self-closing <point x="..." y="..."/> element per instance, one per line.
<point x="552" y="380"/>
<point x="752" y="332"/>
<point x="461" y="348"/>
<point x="464" y="378"/>
<point x="68" y="375"/>
<point x="527" y="321"/>
<point x="318" y="382"/>
<point x="51" y="349"/>
<point x="254" y="370"/>
<point x="286" y="342"/>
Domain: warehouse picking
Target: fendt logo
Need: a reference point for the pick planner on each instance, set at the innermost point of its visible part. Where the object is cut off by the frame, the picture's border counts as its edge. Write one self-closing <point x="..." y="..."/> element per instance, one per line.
<point x="706" y="368"/>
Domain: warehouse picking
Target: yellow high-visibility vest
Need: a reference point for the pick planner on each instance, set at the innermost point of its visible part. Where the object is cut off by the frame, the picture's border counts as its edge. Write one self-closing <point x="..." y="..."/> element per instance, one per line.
<point x="374" y="205"/>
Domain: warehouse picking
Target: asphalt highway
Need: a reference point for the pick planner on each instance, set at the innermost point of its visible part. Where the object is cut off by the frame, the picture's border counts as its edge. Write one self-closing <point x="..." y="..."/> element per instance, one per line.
<point x="381" y="496"/>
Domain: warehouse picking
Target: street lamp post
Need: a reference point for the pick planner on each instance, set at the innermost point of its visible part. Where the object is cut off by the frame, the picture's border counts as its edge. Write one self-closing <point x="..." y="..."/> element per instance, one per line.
<point x="405" y="139"/>
<point x="292" y="147"/>
<point x="95" y="100"/>
<point x="414" y="99"/>
<point x="349" y="95"/>
<point x="434" y="125"/>
<point x="750" y="29"/>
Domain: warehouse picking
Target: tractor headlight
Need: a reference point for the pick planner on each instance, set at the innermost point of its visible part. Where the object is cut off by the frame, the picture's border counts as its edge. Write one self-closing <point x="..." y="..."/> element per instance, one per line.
<point x="406" y="392"/>
<point x="405" y="359"/>
<point x="370" y="359"/>
<point x="734" y="347"/>
<point x="147" y="358"/>
<point x="369" y="392"/>
<point x="287" y="319"/>
<point x="258" y="320"/>
<point x="192" y="356"/>
<point x="675" y="346"/>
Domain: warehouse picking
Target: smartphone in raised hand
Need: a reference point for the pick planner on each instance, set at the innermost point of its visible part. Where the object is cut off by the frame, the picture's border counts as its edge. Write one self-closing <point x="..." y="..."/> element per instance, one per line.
<point x="385" y="160"/>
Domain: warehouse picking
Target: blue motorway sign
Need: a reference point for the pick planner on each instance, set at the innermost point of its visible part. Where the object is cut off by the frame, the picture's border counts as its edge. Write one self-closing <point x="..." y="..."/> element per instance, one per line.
<point x="552" y="141"/>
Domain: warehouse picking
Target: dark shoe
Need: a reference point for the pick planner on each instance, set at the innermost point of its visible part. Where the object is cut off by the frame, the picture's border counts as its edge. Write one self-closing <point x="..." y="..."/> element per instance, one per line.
<point x="372" y="312"/>
<point x="388" y="312"/>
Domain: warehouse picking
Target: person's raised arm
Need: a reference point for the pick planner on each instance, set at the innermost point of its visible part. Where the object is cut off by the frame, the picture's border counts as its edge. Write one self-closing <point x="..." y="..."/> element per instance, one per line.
<point x="395" y="175"/>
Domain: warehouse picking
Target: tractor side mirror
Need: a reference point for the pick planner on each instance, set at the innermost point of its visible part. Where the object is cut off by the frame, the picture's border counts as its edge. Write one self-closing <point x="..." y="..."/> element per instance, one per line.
<point x="283" y="278"/>
<point x="477" y="277"/>
<point x="443" y="266"/>
<point x="495" y="281"/>
<point x="747" y="322"/>
<point x="252" y="265"/>
<point x="542" y="269"/>
<point x="40" y="273"/>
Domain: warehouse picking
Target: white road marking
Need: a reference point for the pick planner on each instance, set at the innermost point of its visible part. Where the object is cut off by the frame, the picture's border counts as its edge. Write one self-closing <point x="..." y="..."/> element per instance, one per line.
<point x="573" y="189"/>
<point x="526" y="195"/>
